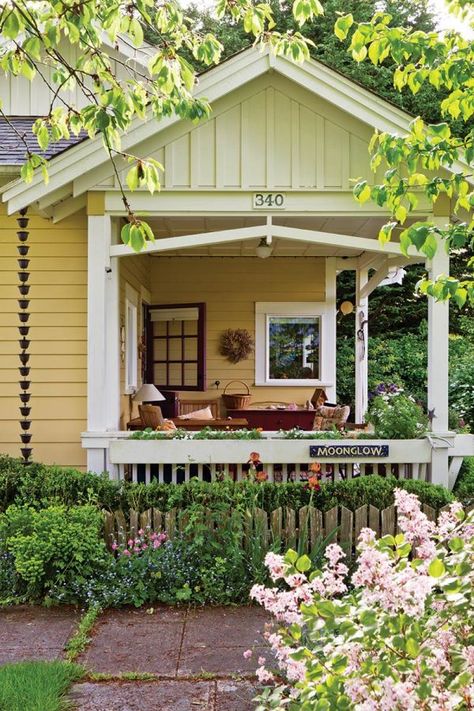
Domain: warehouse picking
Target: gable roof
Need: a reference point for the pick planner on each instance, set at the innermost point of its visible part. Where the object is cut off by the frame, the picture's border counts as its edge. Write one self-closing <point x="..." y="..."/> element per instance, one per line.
<point x="89" y="161"/>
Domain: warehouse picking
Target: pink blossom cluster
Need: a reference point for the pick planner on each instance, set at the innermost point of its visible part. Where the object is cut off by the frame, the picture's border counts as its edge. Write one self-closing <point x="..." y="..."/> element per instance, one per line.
<point x="285" y="604"/>
<point x="402" y="589"/>
<point x="144" y="540"/>
<point x="416" y="526"/>
<point x="394" y="586"/>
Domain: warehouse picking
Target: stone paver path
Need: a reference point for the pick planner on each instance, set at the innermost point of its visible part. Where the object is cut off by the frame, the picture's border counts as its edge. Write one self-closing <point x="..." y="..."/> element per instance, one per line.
<point x="195" y="656"/>
<point x="35" y="632"/>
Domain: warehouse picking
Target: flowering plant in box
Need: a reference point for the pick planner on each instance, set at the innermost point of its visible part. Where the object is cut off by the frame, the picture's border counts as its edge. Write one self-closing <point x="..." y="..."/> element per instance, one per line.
<point x="399" y="637"/>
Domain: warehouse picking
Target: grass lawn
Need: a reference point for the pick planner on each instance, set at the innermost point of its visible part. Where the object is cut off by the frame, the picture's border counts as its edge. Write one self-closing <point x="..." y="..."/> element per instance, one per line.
<point x="36" y="686"/>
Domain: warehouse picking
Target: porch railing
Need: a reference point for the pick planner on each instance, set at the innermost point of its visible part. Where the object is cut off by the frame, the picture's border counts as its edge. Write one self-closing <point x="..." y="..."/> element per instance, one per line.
<point x="175" y="461"/>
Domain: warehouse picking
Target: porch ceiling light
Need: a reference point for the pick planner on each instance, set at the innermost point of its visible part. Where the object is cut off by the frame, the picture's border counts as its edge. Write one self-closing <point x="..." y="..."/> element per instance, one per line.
<point x="148" y="393"/>
<point x="263" y="250"/>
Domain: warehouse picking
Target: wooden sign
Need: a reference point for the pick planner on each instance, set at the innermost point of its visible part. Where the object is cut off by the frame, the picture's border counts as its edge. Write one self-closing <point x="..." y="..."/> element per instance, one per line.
<point x="348" y="450"/>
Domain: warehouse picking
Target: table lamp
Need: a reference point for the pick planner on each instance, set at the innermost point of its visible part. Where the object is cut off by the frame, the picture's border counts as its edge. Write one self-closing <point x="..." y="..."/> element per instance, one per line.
<point x="148" y="393"/>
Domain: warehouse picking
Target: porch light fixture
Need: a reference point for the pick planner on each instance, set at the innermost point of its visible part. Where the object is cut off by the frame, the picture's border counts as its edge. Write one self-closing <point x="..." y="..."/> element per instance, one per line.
<point x="346" y="308"/>
<point x="263" y="250"/>
<point x="147" y="393"/>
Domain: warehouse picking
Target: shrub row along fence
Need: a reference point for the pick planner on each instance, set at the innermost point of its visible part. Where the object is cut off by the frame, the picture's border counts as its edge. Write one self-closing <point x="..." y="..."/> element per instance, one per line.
<point x="300" y="529"/>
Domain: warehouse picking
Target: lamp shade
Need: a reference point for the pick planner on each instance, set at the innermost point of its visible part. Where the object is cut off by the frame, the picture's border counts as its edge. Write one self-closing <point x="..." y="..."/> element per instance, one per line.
<point x="148" y="393"/>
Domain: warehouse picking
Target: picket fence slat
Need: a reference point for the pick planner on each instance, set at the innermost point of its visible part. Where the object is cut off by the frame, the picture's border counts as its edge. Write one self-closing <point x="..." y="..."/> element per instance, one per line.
<point x="316" y="524"/>
<point x="290" y="528"/>
<point x="276" y="524"/>
<point x="374" y="519"/>
<point x="345" y="533"/>
<point x="301" y="529"/>
<point x="331" y="523"/>
<point x="388" y="521"/>
<point x="360" y="520"/>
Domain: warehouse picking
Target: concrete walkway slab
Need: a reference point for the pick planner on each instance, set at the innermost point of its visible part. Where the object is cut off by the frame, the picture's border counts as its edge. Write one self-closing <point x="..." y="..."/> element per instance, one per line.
<point x="144" y="696"/>
<point x="215" y="639"/>
<point x="35" y="632"/>
<point x="135" y="641"/>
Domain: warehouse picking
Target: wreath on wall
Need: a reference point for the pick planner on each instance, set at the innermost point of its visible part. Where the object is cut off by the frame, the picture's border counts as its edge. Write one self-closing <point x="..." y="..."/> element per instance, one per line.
<point x="236" y="344"/>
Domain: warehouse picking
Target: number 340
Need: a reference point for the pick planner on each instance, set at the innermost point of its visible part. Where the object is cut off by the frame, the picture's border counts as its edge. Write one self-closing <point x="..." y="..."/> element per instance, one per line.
<point x="268" y="200"/>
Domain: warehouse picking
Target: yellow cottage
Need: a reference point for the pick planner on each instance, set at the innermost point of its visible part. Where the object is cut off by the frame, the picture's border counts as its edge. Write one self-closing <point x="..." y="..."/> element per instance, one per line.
<point x="254" y="221"/>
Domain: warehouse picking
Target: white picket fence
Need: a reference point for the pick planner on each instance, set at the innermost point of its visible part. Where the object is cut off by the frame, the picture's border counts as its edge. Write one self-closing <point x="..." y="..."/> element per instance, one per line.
<point x="175" y="461"/>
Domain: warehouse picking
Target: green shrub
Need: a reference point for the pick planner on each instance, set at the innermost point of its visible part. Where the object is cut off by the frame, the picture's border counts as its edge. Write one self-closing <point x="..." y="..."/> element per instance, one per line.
<point x="397" y="417"/>
<point x="52" y="546"/>
<point x="42" y="486"/>
<point x="464" y="487"/>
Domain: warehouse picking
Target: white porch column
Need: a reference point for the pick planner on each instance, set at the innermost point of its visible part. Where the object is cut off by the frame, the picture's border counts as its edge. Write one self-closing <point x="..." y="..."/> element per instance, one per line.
<point x="361" y="346"/>
<point x="103" y="357"/>
<point x="438" y="361"/>
<point x="329" y="342"/>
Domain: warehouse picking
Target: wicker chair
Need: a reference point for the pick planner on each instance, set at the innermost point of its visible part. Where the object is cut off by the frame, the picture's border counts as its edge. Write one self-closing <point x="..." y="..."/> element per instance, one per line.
<point x="327" y="417"/>
<point x="151" y="416"/>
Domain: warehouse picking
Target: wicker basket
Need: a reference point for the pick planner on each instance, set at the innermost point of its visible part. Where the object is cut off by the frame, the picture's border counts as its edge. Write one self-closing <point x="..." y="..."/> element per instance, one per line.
<point x="236" y="401"/>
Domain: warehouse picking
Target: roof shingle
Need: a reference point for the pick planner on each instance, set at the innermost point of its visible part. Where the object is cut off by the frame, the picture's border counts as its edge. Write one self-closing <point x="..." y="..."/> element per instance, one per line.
<point x="12" y="147"/>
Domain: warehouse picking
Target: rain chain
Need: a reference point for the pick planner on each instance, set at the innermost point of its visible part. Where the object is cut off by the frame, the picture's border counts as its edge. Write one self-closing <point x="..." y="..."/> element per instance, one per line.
<point x="24" y="329"/>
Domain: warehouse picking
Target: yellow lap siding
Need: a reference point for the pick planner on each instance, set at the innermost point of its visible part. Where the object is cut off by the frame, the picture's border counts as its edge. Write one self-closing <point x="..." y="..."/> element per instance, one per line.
<point x="230" y="287"/>
<point x="58" y="335"/>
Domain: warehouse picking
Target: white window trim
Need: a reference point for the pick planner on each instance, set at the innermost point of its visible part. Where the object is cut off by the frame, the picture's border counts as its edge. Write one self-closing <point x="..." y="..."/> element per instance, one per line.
<point x="325" y="311"/>
<point x="131" y="339"/>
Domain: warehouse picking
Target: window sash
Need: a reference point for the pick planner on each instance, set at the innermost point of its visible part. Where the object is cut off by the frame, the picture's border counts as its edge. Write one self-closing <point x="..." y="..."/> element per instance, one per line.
<point x="323" y="311"/>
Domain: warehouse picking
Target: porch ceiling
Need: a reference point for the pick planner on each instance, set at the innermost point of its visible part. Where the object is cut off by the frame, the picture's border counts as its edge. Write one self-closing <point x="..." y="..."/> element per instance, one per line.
<point x="176" y="226"/>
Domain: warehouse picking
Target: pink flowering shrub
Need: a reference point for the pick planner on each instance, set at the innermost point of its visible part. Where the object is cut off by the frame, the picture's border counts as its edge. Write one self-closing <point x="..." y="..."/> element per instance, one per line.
<point x="396" y="636"/>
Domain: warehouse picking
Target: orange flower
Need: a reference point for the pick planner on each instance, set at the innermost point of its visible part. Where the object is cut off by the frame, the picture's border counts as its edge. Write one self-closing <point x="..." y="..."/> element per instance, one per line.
<point x="261" y="476"/>
<point x="315" y="467"/>
<point x="254" y="457"/>
<point x="259" y="429"/>
<point x="313" y="483"/>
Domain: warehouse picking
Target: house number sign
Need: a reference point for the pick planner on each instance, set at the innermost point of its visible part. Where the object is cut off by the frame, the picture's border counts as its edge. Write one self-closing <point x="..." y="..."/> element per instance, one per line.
<point x="269" y="201"/>
<point x="349" y="450"/>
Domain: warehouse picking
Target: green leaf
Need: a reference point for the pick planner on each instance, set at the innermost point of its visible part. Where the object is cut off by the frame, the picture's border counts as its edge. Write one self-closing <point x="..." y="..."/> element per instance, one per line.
<point x="430" y="245"/>
<point x="125" y="233"/>
<point x="456" y="544"/>
<point x="303" y="564"/>
<point x="436" y="568"/>
<point x="11" y="26"/>
<point x="148" y="232"/>
<point x="137" y="239"/>
<point x="132" y="178"/>
<point x="412" y="647"/>
<point x="342" y="26"/>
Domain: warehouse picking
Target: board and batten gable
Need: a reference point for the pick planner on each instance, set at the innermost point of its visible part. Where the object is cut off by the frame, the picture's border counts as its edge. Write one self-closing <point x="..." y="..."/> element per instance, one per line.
<point x="269" y="134"/>
<point x="58" y="334"/>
